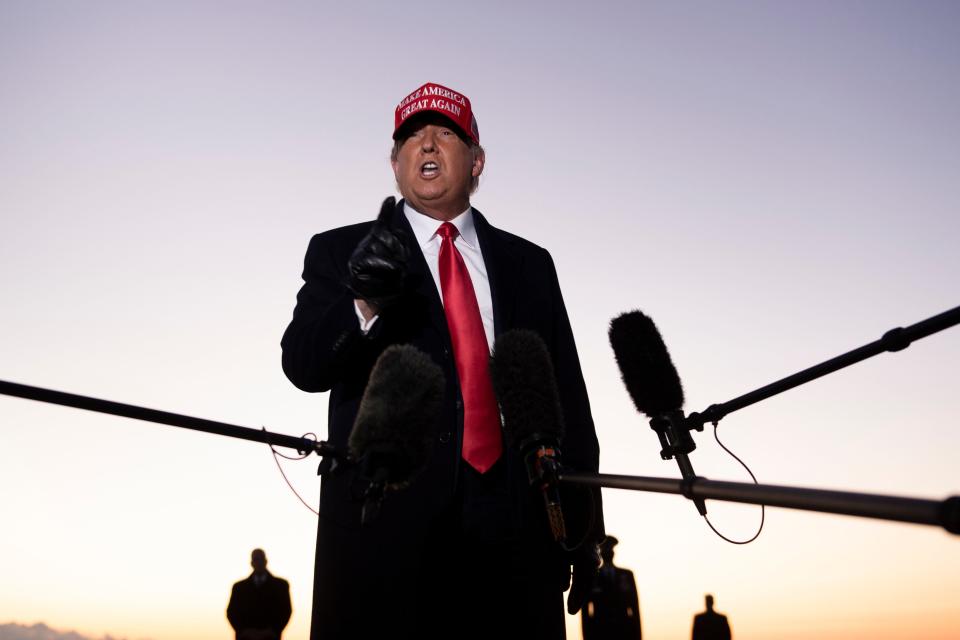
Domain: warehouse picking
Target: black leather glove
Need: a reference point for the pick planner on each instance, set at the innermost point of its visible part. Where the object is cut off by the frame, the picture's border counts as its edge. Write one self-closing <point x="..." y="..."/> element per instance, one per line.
<point x="586" y="563"/>
<point x="378" y="266"/>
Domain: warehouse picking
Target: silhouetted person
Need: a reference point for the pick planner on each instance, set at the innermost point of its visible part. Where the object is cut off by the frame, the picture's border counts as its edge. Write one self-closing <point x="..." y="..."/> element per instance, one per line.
<point x="710" y="625"/>
<point x="259" y="606"/>
<point x="612" y="610"/>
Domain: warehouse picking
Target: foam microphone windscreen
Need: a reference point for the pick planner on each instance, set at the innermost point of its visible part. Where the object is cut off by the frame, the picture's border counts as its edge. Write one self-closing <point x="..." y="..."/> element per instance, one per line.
<point x="526" y="388"/>
<point x="645" y="364"/>
<point x="398" y="414"/>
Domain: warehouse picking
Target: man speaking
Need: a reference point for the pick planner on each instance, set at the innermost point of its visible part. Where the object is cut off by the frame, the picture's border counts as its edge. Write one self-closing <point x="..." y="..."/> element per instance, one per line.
<point x="465" y="551"/>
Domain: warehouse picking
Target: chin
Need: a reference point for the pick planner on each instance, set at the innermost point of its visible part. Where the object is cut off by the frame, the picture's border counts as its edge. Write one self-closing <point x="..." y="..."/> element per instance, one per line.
<point x="431" y="198"/>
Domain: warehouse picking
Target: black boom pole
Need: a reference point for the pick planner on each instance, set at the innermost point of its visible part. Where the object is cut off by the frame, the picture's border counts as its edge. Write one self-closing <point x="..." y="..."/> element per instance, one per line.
<point x="303" y="445"/>
<point x="945" y="513"/>
<point x="896" y="339"/>
<point x="941" y="513"/>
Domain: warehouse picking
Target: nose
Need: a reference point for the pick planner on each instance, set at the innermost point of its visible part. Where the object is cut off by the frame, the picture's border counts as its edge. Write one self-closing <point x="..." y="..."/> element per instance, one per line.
<point x="428" y="141"/>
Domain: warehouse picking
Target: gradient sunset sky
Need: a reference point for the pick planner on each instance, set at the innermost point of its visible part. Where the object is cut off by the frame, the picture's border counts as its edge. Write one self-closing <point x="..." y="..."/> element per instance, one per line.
<point x="774" y="183"/>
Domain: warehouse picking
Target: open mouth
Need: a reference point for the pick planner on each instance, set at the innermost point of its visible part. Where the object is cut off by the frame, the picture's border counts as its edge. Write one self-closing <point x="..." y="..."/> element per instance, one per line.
<point x="429" y="169"/>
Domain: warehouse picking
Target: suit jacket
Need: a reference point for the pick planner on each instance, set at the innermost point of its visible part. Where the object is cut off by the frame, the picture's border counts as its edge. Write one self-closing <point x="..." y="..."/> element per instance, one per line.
<point x="710" y="625"/>
<point x="365" y="575"/>
<point x="612" y="611"/>
<point x="266" y="606"/>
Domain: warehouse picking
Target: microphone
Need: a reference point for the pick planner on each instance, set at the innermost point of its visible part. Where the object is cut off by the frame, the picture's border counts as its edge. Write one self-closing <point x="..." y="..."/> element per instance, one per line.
<point x="654" y="386"/>
<point x="525" y="386"/>
<point x="392" y="435"/>
<point x="645" y="365"/>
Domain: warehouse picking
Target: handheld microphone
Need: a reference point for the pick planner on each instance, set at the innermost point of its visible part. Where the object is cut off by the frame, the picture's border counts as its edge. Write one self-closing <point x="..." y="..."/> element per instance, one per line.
<point x="654" y="385"/>
<point x="393" y="432"/>
<point x="525" y="386"/>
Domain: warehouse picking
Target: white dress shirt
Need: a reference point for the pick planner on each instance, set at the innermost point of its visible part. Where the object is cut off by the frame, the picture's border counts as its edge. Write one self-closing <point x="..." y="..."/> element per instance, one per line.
<point x="425" y="230"/>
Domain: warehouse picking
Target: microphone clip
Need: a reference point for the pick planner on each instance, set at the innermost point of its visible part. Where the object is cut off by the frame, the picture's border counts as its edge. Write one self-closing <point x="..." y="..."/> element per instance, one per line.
<point x="542" y="459"/>
<point x="332" y="459"/>
<point x="673" y="430"/>
<point x="542" y="466"/>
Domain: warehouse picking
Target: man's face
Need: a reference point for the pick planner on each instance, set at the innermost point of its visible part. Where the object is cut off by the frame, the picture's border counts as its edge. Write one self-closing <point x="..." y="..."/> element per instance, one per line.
<point x="435" y="169"/>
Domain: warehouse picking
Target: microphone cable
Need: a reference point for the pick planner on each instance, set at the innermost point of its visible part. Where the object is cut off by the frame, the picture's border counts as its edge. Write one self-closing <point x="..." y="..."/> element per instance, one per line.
<point x="276" y="458"/>
<point x="762" y="507"/>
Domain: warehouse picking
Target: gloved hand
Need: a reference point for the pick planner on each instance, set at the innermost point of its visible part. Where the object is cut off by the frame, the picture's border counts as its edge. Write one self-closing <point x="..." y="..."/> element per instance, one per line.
<point x="378" y="266"/>
<point x="586" y="563"/>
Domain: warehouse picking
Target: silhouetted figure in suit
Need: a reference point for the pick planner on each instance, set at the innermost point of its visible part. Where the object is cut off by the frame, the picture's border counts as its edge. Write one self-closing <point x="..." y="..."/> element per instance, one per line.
<point x="259" y="606"/>
<point x="710" y="625"/>
<point x="612" y="611"/>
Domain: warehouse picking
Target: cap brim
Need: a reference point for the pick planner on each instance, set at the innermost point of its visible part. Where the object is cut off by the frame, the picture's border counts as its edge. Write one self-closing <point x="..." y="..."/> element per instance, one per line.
<point x="425" y="117"/>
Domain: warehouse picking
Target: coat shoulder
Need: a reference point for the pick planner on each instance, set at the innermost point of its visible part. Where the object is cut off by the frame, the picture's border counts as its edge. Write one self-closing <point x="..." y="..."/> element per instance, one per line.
<point x="341" y="235"/>
<point x="335" y="245"/>
<point x="517" y="244"/>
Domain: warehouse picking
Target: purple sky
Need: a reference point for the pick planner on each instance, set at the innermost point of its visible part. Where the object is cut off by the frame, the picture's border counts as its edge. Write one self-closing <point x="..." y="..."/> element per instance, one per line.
<point x="774" y="183"/>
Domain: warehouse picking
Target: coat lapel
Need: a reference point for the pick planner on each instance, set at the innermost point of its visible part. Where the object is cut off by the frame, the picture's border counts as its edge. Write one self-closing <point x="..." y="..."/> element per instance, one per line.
<point x="419" y="273"/>
<point x="502" y="260"/>
<point x="500" y="256"/>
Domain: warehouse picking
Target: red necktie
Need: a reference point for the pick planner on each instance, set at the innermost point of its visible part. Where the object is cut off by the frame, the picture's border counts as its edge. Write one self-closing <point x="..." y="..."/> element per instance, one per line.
<point x="481" y="417"/>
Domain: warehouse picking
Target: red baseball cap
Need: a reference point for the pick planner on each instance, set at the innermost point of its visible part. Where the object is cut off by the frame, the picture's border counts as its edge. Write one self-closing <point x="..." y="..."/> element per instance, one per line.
<point x="440" y="99"/>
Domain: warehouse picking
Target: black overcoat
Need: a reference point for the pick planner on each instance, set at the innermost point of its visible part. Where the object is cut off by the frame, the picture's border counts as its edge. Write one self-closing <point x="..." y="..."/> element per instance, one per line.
<point x="381" y="578"/>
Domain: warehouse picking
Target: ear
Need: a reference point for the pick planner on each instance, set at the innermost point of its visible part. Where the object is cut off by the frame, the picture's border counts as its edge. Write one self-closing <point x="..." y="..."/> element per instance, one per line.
<point x="479" y="158"/>
<point x="396" y="166"/>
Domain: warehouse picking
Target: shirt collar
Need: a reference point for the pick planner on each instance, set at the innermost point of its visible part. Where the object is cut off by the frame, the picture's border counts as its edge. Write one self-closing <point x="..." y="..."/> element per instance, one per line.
<point x="425" y="228"/>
